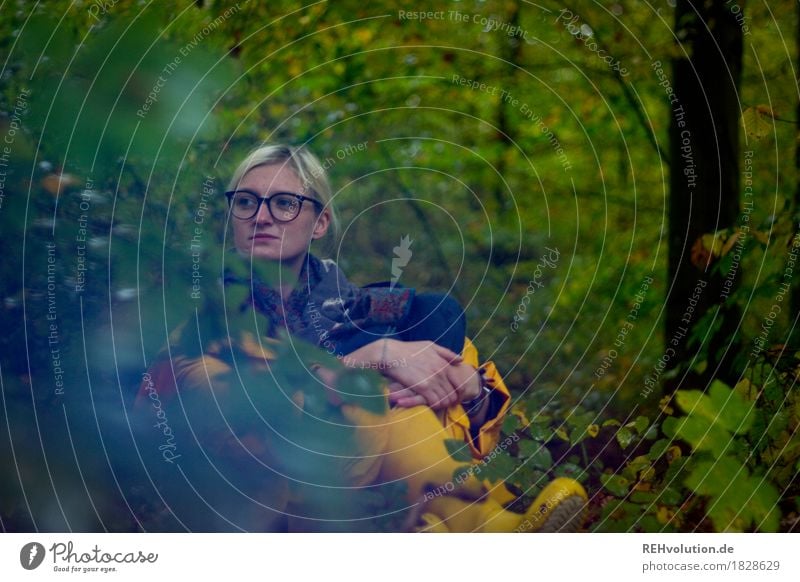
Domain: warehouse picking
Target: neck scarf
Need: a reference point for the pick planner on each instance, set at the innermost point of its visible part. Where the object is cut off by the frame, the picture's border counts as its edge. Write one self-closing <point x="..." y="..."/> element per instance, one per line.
<point x="325" y="305"/>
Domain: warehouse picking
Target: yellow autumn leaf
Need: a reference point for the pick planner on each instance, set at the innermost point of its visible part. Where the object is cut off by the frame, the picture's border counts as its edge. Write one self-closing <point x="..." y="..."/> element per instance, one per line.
<point x="761" y="237"/>
<point x="664" y="515"/>
<point x="562" y="434"/>
<point x="715" y="242"/>
<point x="295" y="67"/>
<point x="701" y="366"/>
<point x="364" y="35"/>
<point x="647" y="474"/>
<point x="520" y="414"/>
<point x="663" y="404"/>
<point x="754" y="121"/>
<point x="746" y="389"/>
<point x="673" y="454"/>
<point x="729" y="243"/>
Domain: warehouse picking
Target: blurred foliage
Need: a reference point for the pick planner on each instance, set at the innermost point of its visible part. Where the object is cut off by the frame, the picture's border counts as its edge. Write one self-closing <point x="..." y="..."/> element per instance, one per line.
<point x="126" y="121"/>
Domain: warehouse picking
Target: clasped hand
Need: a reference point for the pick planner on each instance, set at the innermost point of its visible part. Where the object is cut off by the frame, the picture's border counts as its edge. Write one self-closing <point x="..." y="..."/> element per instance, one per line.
<point x="421" y="372"/>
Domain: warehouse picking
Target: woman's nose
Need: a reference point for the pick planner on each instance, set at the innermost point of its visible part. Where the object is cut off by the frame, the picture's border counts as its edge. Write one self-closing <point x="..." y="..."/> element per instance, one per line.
<point x="263" y="215"/>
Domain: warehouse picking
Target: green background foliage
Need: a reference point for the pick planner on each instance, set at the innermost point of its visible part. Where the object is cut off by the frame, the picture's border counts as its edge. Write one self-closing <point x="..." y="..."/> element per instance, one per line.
<point x="556" y="151"/>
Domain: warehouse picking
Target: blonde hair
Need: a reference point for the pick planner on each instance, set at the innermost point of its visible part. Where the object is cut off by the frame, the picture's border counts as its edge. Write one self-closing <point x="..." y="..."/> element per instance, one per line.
<point x="306" y="166"/>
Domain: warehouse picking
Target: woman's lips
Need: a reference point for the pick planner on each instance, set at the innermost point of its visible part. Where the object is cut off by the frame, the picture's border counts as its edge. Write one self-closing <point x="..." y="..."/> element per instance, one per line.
<point x="263" y="237"/>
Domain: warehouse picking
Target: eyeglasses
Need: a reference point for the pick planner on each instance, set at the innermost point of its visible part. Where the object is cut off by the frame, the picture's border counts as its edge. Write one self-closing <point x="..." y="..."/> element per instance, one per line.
<point x="283" y="206"/>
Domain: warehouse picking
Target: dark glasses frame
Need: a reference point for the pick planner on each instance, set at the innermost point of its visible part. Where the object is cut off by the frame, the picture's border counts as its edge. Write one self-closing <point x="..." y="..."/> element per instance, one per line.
<point x="268" y="199"/>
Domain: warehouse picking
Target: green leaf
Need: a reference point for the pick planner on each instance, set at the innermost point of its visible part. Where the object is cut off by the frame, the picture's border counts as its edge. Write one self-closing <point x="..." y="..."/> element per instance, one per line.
<point x="722" y="406"/>
<point x="632" y="469"/>
<point x="640" y="424"/>
<point x="738" y="501"/>
<point x="526" y="477"/>
<point x="658" y="448"/>
<point x="625" y="437"/>
<point x="699" y="433"/>
<point x="696" y="403"/>
<point x="735" y="412"/>
<point x="643" y="497"/>
<point x="772" y="390"/>
<point x="609" y="508"/>
<point x="510" y="424"/>
<point x="778" y="423"/>
<point x="670" y="496"/>
<point x="710" y="476"/>
<point x="499" y="468"/>
<point x="458" y="450"/>
<point x="540" y="432"/>
<point x="571" y="471"/>
<point x="677" y="469"/>
<point x="615" y="484"/>
<point x="537" y="454"/>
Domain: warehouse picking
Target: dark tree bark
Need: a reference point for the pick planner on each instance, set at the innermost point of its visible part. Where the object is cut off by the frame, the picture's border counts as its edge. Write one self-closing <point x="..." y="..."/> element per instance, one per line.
<point x="794" y="337"/>
<point x="704" y="177"/>
<point x="511" y="52"/>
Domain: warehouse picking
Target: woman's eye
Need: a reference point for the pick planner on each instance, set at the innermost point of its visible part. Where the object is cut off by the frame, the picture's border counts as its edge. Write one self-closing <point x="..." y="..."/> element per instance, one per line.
<point x="245" y="202"/>
<point x="286" y="203"/>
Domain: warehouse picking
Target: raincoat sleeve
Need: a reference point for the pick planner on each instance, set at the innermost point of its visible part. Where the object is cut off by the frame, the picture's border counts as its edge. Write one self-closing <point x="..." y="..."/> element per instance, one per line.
<point x="458" y="423"/>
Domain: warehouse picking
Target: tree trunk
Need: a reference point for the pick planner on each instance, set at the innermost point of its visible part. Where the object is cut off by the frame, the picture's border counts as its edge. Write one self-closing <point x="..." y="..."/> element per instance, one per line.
<point x="794" y="336"/>
<point x="704" y="177"/>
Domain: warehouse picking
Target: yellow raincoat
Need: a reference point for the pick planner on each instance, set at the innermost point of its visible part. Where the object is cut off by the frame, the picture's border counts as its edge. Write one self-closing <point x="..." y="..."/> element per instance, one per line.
<point x="402" y="444"/>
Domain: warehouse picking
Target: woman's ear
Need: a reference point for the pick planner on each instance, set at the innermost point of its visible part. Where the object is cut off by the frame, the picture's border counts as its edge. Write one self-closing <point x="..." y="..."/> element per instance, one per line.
<point x="322" y="224"/>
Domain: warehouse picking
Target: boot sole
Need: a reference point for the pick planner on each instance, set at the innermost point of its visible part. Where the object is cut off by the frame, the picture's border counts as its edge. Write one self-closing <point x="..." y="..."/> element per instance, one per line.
<point x="567" y="517"/>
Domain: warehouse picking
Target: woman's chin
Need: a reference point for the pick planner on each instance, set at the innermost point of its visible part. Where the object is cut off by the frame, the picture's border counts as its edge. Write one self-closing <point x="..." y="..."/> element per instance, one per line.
<point x="262" y="254"/>
<point x="265" y="253"/>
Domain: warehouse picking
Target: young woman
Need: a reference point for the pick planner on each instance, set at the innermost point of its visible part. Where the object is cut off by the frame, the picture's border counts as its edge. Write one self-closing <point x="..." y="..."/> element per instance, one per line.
<point x="279" y="202"/>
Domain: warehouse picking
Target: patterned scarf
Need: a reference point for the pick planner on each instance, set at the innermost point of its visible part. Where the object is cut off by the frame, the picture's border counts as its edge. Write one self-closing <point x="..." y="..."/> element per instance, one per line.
<point x="325" y="305"/>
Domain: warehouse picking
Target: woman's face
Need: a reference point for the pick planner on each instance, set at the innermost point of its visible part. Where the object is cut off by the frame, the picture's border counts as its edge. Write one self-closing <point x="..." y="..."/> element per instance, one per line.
<point x="265" y="238"/>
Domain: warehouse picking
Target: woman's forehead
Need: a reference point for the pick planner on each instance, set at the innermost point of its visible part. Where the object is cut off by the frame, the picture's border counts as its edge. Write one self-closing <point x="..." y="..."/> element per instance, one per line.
<point x="271" y="178"/>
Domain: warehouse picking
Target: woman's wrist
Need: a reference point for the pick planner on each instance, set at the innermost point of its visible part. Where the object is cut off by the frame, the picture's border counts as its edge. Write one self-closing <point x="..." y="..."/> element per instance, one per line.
<point x="476" y="399"/>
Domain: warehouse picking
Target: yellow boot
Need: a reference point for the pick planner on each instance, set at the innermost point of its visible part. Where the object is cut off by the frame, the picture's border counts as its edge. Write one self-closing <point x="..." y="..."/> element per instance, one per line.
<point x="560" y="507"/>
<point x="408" y="444"/>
